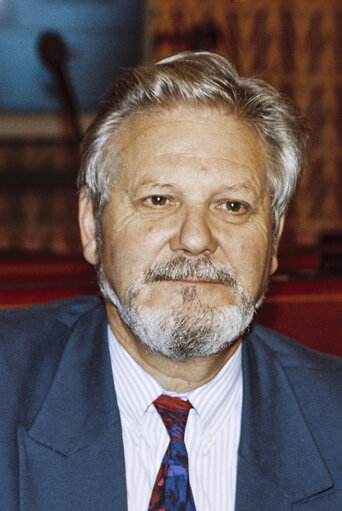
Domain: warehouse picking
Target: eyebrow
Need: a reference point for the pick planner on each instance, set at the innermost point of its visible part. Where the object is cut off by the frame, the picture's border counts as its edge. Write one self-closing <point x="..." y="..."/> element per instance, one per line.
<point x="157" y="184"/>
<point x="238" y="188"/>
<point x="257" y="196"/>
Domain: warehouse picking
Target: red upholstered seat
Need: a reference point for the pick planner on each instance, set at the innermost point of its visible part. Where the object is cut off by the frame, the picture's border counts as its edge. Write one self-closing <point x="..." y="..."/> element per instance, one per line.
<point x="308" y="310"/>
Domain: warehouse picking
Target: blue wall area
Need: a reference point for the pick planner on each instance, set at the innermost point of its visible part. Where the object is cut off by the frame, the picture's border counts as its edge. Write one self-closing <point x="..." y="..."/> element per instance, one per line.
<point x="103" y="37"/>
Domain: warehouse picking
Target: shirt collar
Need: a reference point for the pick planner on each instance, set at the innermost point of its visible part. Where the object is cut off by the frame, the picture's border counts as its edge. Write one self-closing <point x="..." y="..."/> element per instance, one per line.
<point x="215" y="400"/>
<point x="136" y="389"/>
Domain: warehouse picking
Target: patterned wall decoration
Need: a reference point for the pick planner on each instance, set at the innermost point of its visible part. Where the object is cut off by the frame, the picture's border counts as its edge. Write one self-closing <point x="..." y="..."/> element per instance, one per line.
<point x="38" y="202"/>
<point x="294" y="45"/>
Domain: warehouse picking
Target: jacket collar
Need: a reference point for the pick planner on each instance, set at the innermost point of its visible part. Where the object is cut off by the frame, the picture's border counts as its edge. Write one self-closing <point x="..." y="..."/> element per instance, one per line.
<point x="276" y="443"/>
<point x="80" y="405"/>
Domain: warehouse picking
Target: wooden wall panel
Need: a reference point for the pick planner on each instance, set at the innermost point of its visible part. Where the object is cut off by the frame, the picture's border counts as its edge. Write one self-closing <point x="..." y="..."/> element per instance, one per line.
<point x="38" y="202"/>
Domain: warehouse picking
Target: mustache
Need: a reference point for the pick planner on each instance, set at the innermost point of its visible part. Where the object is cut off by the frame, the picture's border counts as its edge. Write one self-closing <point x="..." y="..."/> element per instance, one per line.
<point x="185" y="268"/>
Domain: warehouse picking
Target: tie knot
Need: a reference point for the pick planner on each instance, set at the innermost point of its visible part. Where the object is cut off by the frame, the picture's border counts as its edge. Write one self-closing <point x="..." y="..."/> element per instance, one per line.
<point x="174" y="412"/>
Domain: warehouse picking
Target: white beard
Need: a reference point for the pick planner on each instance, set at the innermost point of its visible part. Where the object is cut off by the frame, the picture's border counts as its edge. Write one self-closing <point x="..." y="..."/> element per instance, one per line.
<point x="190" y="329"/>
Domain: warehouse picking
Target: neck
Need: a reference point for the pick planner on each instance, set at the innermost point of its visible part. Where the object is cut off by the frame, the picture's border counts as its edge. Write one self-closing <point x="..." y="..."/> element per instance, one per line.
<point x="174" y="375"/>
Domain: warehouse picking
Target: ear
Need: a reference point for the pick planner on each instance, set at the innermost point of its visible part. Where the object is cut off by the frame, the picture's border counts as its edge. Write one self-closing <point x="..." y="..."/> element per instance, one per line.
<point x="274" y="260"/>
<point x="86" y="220"/>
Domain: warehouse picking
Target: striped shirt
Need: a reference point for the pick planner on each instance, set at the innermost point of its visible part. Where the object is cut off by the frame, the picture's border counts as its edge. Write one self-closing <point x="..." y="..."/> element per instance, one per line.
<point x="212" y="433"/>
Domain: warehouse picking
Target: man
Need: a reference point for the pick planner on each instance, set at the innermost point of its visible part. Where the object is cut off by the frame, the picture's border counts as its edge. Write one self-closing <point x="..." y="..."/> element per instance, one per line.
<point x="186" y="176"/>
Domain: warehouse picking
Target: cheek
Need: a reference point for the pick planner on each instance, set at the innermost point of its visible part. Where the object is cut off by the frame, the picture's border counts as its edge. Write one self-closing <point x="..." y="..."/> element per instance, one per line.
<point x="131" y="246"/>
<point x="249" y="254"/>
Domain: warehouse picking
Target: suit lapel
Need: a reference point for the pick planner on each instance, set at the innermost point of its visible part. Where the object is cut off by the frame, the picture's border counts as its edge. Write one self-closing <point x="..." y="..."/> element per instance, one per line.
<point x="71" y="457"/>
<point x="276" y="446"/>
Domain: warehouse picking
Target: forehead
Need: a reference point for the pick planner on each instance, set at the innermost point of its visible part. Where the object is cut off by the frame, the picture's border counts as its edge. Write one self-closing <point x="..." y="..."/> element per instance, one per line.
<point x="207" y="139"/>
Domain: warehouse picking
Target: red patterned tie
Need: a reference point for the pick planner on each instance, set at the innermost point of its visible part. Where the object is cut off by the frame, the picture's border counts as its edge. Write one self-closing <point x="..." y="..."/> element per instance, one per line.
<point x="172" y="491"/>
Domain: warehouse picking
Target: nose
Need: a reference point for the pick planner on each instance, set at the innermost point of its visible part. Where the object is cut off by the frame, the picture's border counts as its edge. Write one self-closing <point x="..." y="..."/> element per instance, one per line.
<point x="194" y="235"/>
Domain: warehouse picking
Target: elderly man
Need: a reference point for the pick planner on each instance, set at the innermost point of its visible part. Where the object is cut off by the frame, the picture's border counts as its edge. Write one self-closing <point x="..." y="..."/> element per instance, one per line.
<point x="163" y="395"/>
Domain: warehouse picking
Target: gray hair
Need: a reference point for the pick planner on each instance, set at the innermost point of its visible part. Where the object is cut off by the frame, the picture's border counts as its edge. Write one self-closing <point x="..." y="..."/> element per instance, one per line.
<point x="198" y="79"/>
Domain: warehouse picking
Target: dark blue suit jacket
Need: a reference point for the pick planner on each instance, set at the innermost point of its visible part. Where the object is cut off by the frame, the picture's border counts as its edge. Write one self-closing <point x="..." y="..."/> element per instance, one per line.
<point x="60" y="436"/>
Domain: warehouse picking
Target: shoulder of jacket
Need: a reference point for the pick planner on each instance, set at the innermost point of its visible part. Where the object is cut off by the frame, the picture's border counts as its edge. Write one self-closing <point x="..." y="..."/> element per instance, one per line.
<point x="291" y="353"/>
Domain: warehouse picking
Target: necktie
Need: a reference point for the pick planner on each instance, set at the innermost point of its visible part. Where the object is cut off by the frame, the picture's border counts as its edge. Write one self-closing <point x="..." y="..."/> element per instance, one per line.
<point x="172" y="491"/>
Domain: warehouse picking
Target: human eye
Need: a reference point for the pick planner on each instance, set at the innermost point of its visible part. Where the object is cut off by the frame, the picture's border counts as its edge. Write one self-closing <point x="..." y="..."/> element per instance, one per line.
<point x="234" y="207"/>
<point x="157" y="201"/>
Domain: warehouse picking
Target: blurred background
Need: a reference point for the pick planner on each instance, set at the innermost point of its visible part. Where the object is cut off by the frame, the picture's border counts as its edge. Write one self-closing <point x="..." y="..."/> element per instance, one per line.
<point x="58" y="59"/>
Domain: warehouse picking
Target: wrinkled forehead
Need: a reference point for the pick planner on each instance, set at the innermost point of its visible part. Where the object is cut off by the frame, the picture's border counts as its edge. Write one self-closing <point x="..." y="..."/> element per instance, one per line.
<point x="204" y="133"/>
